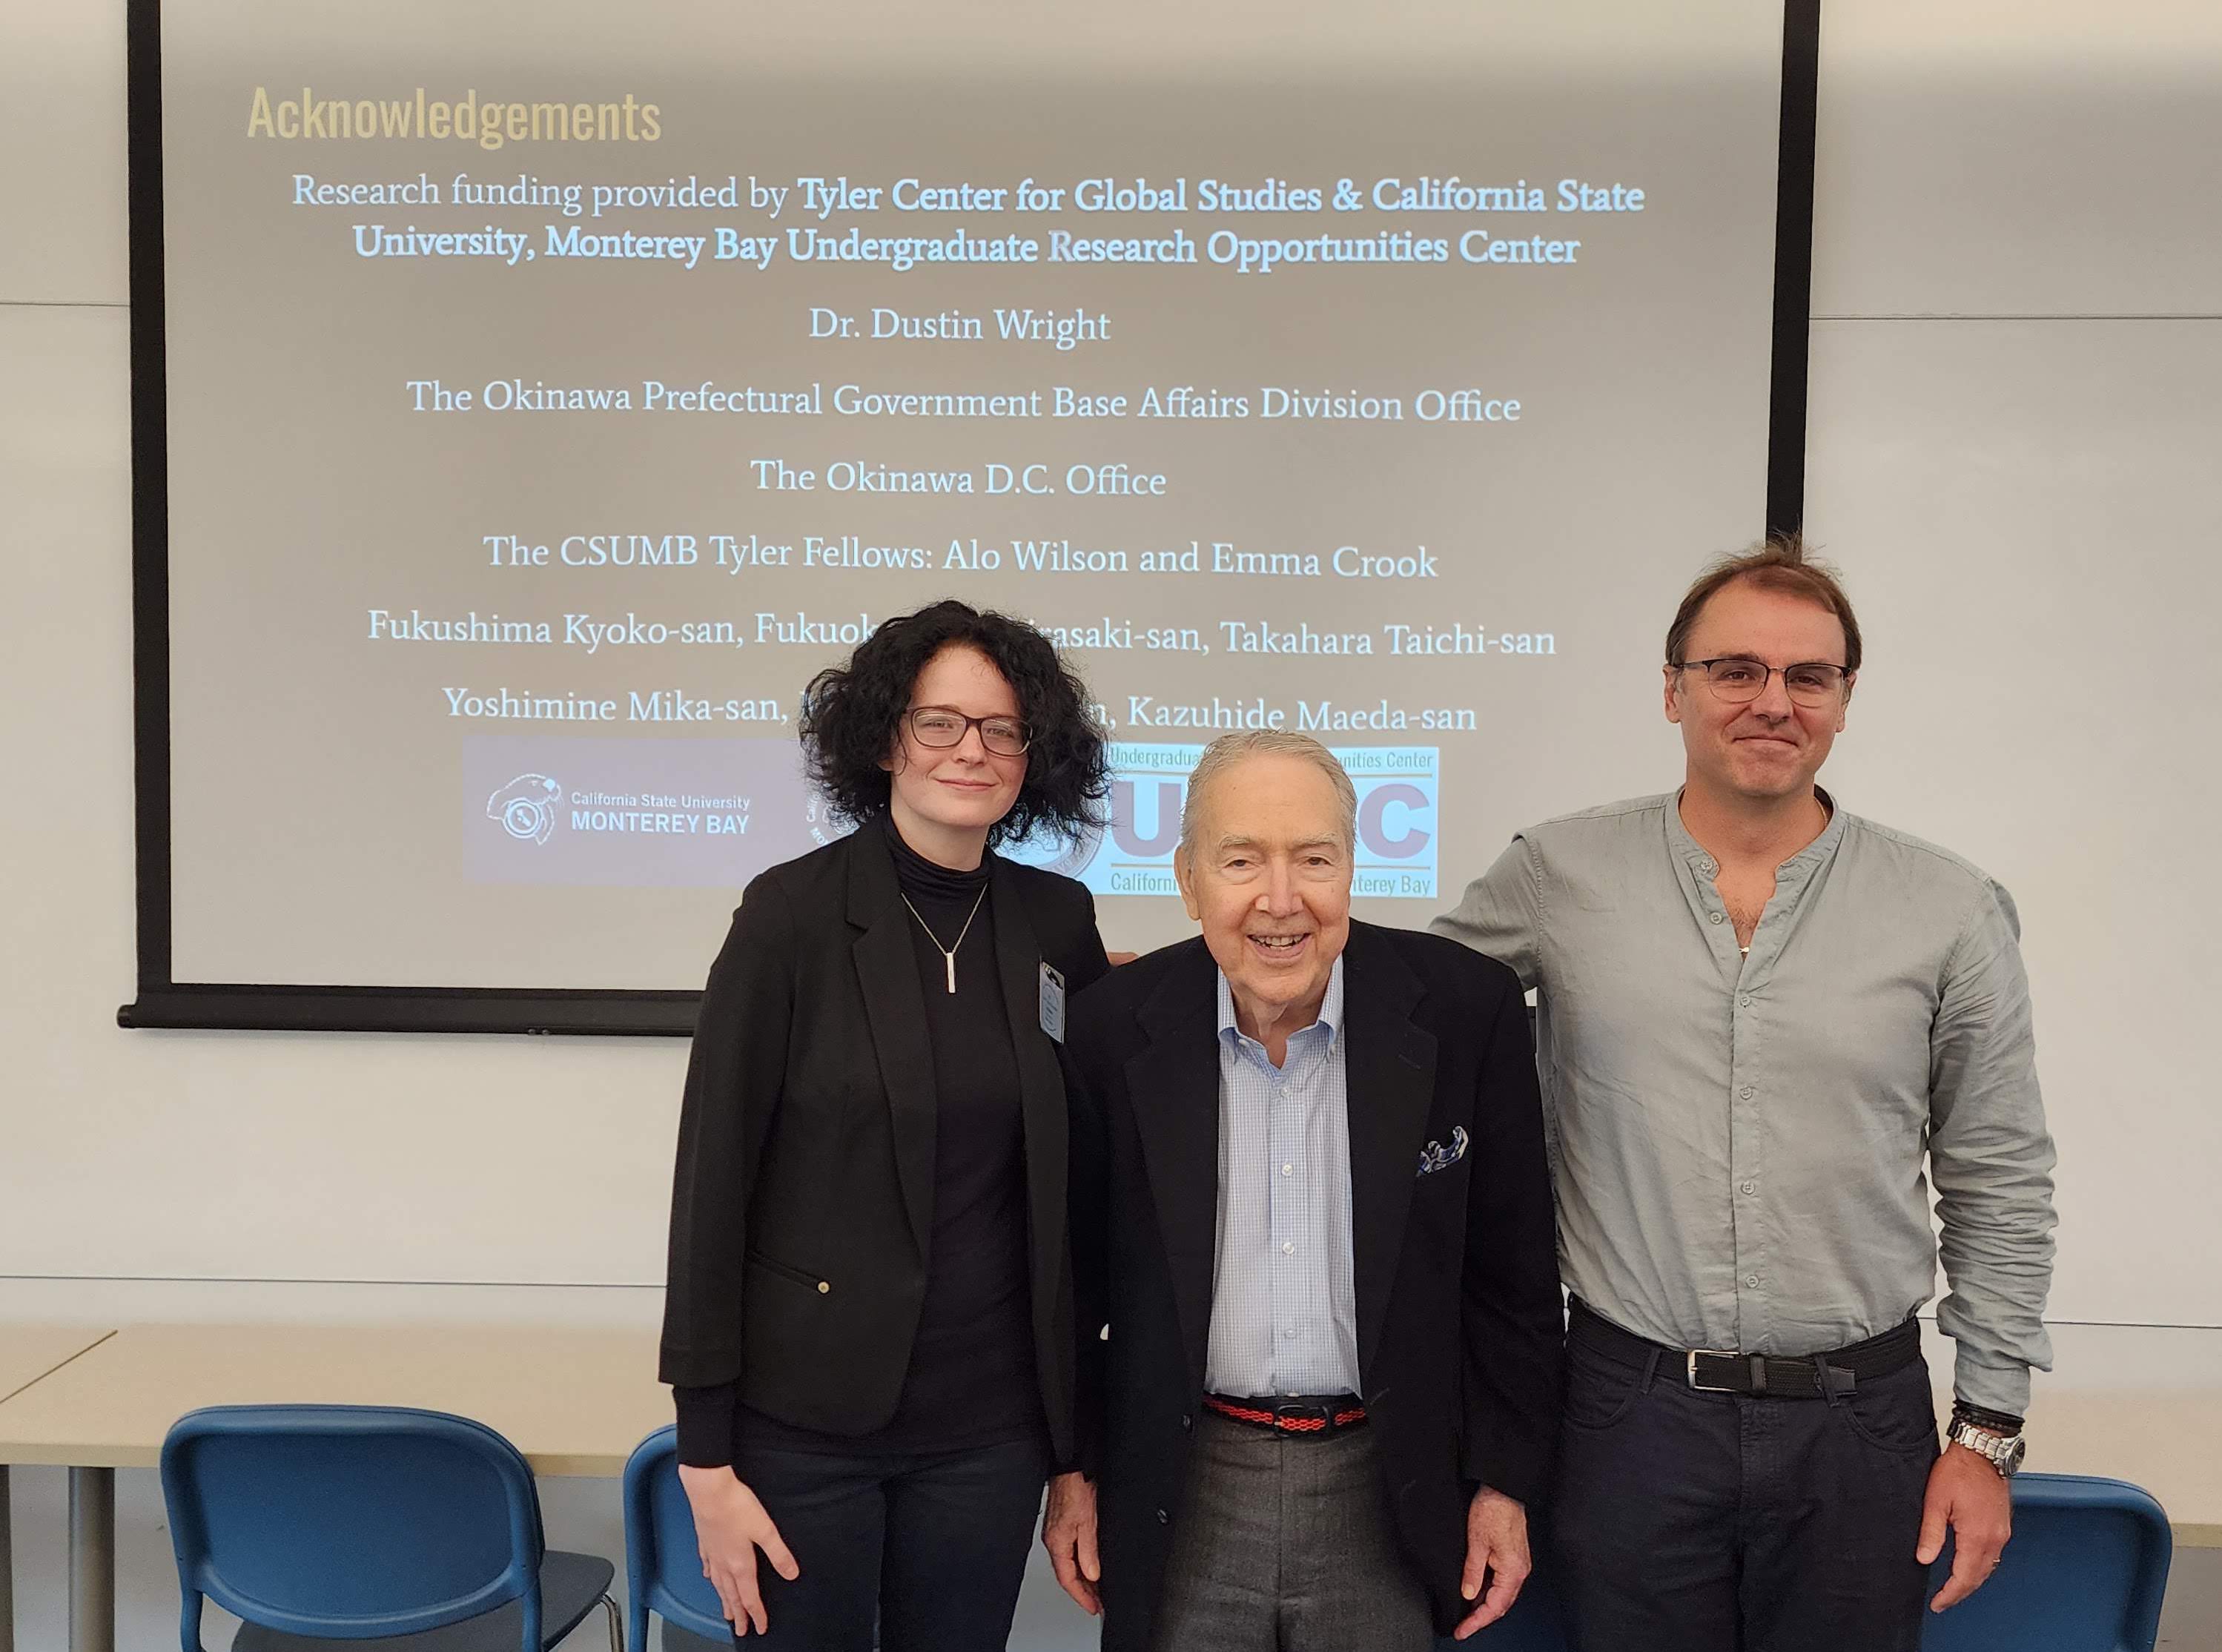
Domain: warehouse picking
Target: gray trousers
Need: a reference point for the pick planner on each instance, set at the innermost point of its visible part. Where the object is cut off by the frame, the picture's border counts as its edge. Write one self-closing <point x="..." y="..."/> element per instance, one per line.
<point x="1284" y="1545"/>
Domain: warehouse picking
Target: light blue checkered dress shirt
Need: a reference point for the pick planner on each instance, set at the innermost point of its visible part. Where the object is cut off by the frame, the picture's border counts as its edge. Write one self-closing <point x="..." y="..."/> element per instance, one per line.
<point x="1284" y="1308"/>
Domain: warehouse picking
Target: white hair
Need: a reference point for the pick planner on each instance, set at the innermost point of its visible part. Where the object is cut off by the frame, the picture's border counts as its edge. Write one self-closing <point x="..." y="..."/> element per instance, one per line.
<point x="1228" y="749"/>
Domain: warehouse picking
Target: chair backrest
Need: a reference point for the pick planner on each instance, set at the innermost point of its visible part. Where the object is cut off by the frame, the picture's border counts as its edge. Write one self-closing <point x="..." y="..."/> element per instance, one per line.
<point x="349" y="1522"/>
<point x="663" y="1567"/>
<point x="2084" y="1572"/>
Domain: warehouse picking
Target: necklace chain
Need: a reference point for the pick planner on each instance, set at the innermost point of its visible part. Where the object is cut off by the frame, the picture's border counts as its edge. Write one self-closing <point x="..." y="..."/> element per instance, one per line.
<point x="948" y="953"/>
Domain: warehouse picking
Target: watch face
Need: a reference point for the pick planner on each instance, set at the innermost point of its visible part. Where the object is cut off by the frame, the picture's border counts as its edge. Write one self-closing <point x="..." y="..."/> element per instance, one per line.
<point x="2015" y="1452"/>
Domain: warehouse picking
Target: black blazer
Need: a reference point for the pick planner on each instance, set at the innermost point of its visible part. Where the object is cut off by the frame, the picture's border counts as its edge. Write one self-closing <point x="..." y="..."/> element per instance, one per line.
<point x="803" y="1198"/>
<point x="1457" y="1277"/>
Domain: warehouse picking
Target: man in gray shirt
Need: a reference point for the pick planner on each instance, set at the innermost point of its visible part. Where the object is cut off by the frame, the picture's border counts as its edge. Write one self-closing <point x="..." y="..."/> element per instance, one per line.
<point x="1758" y="1016"/>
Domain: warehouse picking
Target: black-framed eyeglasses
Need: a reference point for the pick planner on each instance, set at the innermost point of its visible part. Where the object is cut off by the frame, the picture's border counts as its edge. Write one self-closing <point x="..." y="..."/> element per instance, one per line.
<point x="1739" y="680"/>
<point x="939" y="728"/>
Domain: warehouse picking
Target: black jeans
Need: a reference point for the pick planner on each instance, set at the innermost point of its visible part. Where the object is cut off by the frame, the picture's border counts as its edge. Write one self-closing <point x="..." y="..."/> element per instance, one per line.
<point x="1689" y="1522"/>
<point x="932" y="1546"/>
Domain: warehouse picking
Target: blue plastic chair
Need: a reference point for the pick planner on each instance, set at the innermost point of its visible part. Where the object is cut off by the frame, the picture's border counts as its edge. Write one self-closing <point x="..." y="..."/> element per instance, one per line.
<point x="384" y="1527"/>
<point x="663" y="1567"/>
<point x="2085" y="1572"/>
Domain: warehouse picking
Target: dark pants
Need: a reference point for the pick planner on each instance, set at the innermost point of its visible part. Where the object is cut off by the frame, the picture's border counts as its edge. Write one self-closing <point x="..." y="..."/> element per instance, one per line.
<point x="1720" y="1523"/>
<point x="932" y="1547"/>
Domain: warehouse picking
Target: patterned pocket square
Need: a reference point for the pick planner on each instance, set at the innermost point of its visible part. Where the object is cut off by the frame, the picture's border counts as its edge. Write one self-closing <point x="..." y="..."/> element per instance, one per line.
<point x="1434" y="1156"/>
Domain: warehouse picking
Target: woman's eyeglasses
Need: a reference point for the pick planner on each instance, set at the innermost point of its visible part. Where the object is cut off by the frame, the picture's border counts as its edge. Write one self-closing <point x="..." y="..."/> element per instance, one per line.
<point x="938" y="728"/>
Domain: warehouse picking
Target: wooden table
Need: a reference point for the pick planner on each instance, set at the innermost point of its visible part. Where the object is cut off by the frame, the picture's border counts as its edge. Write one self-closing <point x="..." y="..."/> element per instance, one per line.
<point x="2167" y="1440"/>
<point x="577" y="1402"/>
<point x="2136" y="1403"/>
<point x="28" y="1353"/>
<point x="574" y="1402"/>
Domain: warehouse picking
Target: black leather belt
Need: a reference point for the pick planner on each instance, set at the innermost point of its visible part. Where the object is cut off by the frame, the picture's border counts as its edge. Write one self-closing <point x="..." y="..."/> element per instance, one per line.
<point x="1722" y="1371"/>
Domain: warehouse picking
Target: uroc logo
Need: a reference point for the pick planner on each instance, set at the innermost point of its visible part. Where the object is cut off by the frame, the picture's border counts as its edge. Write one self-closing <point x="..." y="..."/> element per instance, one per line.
<point x="526" y="807"/>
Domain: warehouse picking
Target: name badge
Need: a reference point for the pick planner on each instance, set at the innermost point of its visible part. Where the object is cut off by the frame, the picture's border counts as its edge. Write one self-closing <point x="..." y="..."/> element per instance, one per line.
<point x="1052" y="1003"/>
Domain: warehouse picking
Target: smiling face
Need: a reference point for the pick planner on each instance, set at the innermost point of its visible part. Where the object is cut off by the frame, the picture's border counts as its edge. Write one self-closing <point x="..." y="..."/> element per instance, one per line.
<point x="1267" y="875"/>
<point x="1771" y="748"/>
<point x="945" y="800"/>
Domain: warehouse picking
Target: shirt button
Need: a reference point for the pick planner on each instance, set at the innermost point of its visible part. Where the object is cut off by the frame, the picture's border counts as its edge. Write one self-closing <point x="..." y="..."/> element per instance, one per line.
<point x="1288" y="1170"/>
<point x="1745" y="1001"/>
<point x="1751" y="1281"/>
<point x="1745" y="1092"/>
<point x="1288" y="1248"/>
<point x="1707" y="868"/>
<point x="1187" y="1422"/>
<point x="1163" y="1517"/>
<point x="1713" y="917"/>
<point x="1289" y="1332"/>
<point x="1751" y="1187"/>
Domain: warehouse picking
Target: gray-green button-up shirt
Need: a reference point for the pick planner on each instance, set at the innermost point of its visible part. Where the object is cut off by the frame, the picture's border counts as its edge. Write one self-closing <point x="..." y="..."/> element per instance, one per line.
<point x="1738" y="1143"/>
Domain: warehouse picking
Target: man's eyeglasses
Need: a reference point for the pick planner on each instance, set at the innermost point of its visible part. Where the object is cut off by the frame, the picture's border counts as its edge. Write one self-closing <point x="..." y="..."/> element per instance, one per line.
<point x="1739" y="680"/>
<point x="937" y="727"/>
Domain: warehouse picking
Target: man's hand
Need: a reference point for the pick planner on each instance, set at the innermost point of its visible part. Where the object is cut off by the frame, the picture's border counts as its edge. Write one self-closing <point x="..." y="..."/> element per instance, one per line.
<point x="1497" y="1549"/>
<point x="730" y="1526"/>
<point x="1971" y="1496"/>
<point x="1069" y="1534"/>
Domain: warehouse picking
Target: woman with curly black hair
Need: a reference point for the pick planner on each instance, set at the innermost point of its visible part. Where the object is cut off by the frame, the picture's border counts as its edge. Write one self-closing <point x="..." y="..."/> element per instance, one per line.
<point x="867" y="1323"/>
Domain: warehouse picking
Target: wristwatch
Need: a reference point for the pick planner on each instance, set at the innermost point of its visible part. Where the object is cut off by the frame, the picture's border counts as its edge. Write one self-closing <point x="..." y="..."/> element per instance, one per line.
<point x="2004" y="1452"/>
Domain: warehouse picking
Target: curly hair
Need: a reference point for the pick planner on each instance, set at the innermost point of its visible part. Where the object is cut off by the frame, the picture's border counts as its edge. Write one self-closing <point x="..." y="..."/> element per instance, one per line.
<point x="852" y="715"/>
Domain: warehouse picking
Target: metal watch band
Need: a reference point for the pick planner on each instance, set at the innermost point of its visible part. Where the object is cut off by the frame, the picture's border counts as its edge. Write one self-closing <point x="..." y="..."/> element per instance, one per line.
<point x="2004" y="1452"/>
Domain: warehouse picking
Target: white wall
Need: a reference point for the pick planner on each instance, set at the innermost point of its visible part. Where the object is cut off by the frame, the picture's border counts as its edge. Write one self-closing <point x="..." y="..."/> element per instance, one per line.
<point x="2014" y="431"/>
<point x="2016" y="291"/>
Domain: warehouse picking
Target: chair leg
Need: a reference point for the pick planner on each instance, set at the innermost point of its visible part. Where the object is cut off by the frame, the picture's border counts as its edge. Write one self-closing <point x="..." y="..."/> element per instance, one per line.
<point x="617" y="1624"/>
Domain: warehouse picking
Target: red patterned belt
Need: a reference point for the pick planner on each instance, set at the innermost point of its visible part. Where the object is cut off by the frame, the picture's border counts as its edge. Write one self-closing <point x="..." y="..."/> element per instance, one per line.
<point x="1291" y="1416"/>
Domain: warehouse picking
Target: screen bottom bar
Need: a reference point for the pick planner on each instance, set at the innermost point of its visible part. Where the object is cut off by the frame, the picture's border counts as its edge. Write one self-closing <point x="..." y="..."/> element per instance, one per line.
<point x="411" y="1010"/>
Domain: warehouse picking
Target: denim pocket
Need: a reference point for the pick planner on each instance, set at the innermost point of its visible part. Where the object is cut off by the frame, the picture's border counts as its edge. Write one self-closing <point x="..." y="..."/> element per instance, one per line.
<point x="1894" y="1413"/>
<point x="1599" y="1391"/>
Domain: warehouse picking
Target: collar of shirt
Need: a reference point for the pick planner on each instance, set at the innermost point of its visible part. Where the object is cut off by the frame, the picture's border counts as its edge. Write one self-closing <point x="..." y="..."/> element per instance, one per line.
<point x="1323" y="1031"/>
<point x="1800" y="866"/>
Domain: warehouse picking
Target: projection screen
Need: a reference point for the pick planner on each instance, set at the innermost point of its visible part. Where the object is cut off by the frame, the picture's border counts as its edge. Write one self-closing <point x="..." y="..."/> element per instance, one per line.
<point x="530" y="400"/>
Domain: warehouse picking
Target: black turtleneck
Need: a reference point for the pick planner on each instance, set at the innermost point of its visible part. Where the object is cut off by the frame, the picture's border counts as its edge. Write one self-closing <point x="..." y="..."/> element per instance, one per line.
<point x="971" y="1380"/>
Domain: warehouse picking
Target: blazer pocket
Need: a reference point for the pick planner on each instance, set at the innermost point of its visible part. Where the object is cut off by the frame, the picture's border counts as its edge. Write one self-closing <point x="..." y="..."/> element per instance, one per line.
<point x="802" y="1277"/>
<point x="1447" y="1154"/>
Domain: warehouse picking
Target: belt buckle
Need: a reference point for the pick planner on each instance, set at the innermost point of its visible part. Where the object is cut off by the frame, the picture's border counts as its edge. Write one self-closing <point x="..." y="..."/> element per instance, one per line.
<point x="1290" y="1411"/>
<point x="1690" y="1371"/>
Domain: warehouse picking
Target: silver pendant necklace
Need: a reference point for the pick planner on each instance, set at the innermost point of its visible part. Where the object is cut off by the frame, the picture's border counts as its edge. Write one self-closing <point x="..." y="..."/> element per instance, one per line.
<point x="949" y="953"/>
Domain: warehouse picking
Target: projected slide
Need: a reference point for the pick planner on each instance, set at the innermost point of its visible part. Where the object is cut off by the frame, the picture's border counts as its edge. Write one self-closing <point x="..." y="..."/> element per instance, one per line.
<point x="551" y="394"/>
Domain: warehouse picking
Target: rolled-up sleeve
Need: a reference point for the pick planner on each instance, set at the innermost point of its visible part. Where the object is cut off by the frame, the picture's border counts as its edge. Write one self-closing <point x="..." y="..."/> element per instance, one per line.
<point x="1990" y="1158"/>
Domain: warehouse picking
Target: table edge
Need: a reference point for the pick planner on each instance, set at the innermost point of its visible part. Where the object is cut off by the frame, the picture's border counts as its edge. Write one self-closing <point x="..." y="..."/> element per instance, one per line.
<point x="554" y="1465"/>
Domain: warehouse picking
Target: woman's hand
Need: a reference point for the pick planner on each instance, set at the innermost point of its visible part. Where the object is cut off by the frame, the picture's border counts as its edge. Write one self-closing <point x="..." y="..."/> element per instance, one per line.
<point x="730" y="1525"/>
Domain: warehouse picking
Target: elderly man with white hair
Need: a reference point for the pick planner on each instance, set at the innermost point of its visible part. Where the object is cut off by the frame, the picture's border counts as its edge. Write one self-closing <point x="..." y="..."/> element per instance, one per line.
<point x="1314" y="1262"/>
